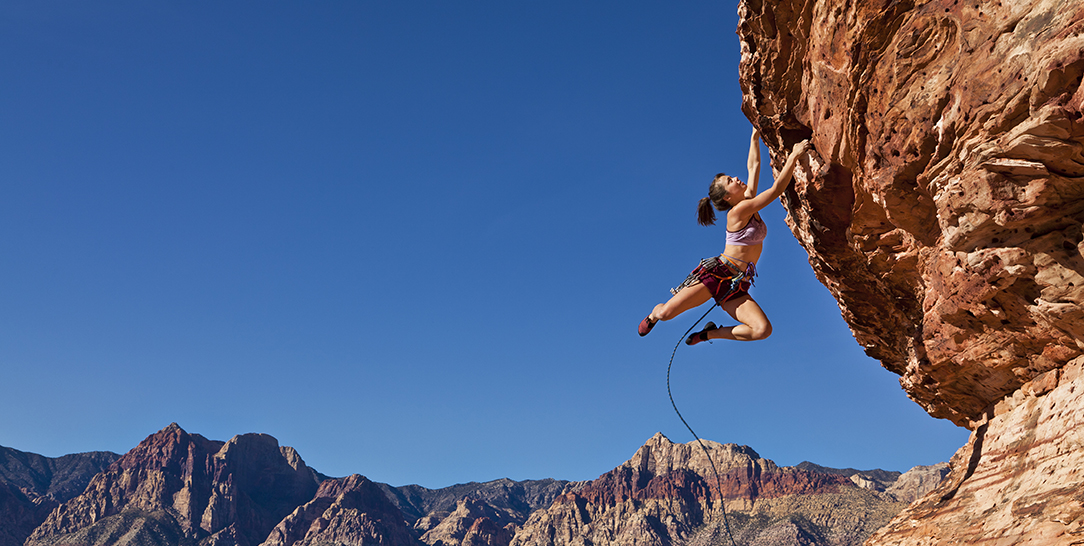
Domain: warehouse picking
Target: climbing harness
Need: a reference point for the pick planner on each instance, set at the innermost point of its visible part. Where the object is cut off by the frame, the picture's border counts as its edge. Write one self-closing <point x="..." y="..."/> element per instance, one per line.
<point x="713" y="273"/>
<point x="750" y="270"/>
<point x="718" y="481"/>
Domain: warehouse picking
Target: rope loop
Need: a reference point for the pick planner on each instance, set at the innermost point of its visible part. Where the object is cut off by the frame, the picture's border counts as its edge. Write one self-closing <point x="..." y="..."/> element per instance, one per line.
<point x="718" y="481"/>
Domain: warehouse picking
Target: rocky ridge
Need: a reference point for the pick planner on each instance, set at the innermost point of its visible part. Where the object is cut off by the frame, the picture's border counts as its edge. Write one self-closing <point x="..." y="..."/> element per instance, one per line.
<point x="59" y="478"/>
<point x="351" y="510"/>
<point x="31" y="486"/>
<point x="175" y="484"/>
<point x="942" y="207"/>
<point x="667" y="493"/>
<point x="473" y="522"/>
<point x="177" y="488"/>
<point x="508" y="501"/>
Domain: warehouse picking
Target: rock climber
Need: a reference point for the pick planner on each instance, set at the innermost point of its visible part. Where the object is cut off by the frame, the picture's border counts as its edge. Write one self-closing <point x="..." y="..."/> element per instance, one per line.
<point x="727" y="278"/>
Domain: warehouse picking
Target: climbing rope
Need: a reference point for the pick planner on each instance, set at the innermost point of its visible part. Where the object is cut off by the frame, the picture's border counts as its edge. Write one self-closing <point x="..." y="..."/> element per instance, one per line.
<point x="718" y="481"/>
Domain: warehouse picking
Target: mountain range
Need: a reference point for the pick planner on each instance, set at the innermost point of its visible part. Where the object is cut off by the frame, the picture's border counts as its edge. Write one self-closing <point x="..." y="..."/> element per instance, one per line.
<point x="178" y="488"/>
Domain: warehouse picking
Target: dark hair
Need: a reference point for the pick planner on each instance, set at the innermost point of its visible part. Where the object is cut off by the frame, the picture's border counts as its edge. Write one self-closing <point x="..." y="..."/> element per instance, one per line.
<point x="716" y="198"/>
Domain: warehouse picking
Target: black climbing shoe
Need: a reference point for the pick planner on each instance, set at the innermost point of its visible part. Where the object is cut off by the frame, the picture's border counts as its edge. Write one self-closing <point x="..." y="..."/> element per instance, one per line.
<point x="702" y="335"/>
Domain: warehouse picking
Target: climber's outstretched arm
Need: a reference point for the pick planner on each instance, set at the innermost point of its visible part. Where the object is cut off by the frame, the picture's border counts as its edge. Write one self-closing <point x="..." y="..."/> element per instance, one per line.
<point x="754" y="165"/>
<point x="749" y="206"/>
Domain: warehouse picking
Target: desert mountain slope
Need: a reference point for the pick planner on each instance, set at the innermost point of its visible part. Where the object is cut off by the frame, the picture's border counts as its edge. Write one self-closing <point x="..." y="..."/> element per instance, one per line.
<point x="667" y="494"/>
<point x="32" y="485"/>
<point x="175" y="484"/>
<point x="177" y="488"/>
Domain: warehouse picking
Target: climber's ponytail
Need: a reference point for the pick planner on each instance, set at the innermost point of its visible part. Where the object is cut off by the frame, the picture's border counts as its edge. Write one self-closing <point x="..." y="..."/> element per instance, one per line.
<point x="716" y="199"/>
<point x="705" y="213"/>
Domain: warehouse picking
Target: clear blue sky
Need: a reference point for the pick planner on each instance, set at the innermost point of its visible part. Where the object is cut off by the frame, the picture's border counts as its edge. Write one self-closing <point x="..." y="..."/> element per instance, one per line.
<point x="411" y="239"/>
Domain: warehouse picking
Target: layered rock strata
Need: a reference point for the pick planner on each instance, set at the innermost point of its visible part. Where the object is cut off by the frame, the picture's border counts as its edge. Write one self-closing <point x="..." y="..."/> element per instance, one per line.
<point x="942" y="207"/>
<point x="1017" y="481"/>
<point x="668" y="493"/>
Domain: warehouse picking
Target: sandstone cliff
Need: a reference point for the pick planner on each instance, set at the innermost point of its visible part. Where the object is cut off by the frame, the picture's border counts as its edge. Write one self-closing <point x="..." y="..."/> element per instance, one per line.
<point x="668" y="494"/>
<point x="943" y="209"/>
<point x="1018" y="481"/>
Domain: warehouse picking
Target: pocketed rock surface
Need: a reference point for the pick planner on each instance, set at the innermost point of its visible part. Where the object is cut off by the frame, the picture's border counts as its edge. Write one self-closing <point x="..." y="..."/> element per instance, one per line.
<point x="942" y="207"/>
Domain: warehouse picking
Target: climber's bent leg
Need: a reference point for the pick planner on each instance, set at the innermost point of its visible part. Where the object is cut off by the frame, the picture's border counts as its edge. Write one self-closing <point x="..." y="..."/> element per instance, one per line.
<point x="754" y="324"/>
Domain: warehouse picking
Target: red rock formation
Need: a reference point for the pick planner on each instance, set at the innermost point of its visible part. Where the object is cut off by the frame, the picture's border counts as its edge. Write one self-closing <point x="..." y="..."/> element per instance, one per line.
<point x="668" y="493"/>
<point x="351" y="511"/>
<point x="224" y="493"/>
<point x="943" y="205"/>
<point x="743" y="475"/>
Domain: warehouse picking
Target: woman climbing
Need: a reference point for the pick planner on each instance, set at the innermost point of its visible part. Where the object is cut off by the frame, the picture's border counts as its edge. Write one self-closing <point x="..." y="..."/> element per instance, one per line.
<point x="727" y="278"/>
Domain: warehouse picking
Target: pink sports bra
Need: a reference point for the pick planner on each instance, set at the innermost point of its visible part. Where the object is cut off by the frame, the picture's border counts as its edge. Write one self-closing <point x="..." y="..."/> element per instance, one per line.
<point x="752" y="234"/>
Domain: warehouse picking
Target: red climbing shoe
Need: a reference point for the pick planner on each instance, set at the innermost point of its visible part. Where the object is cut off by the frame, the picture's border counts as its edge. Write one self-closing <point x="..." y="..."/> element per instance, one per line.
<point x="646" y="325"/>
<point x="702" y="335"/>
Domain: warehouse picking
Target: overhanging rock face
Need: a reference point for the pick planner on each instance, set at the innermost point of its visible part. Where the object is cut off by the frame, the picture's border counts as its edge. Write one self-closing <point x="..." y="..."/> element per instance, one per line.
<point x="943" y="205"/>
<point x="943" y="208"/>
